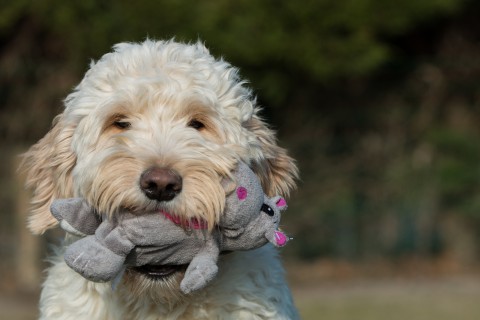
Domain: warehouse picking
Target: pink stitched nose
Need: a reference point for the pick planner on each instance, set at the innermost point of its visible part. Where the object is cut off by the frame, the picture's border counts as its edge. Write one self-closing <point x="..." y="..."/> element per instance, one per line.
<point x="160" y="184"/>
<point x="281" y="238"/>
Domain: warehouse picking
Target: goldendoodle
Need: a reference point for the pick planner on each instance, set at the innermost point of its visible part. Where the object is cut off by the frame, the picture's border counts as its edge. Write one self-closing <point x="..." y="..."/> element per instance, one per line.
<point x="157" y="126"/>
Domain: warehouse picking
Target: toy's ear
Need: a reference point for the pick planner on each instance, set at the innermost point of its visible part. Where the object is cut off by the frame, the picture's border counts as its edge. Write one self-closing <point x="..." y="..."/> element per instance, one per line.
<point x="280" y="202"/>
<point x="48" y="166"/>
<point x="276" y="170"/>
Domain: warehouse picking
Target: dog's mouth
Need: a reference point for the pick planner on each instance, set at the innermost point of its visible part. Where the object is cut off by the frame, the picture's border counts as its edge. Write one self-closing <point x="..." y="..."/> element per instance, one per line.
<point x="159" y="272"/>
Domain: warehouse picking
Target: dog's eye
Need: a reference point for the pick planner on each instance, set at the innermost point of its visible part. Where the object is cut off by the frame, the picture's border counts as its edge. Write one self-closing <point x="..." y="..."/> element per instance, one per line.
<point x="195" y="124"/>
<point x="122" y="124"/>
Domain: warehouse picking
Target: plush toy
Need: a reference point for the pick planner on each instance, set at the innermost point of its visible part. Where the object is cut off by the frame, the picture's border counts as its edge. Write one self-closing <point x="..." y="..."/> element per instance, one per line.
<point x="250" y="220"/>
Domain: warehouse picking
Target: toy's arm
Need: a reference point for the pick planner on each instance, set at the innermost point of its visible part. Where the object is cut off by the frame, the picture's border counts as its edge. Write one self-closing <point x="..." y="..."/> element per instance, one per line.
<point x="203" y="267"/>
<point x="113" y="236"/>
<point x="100" y="257"/>
<point x="76" y="216"/>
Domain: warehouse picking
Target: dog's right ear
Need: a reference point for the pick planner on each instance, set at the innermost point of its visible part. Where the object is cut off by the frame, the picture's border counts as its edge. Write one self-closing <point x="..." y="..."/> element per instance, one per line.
<point x="276" y="170"/>
<point x="48" y="167"/>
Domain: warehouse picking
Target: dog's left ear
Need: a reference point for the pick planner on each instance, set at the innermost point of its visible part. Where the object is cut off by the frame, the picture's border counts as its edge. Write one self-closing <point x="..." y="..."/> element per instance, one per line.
<point x="48" y="166"/>
<point x="277" y="171"/>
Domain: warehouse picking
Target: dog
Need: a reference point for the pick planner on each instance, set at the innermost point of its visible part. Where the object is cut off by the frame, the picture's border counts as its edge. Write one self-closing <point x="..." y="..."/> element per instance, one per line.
<point x="157" y="125"/>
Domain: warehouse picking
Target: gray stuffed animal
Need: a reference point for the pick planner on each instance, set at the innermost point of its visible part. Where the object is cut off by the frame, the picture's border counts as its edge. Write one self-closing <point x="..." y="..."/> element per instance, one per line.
<point x="250" y="220"/>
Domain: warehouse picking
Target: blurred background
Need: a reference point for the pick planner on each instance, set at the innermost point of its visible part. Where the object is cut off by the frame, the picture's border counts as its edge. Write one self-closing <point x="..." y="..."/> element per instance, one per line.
<point x="378" y="101"/>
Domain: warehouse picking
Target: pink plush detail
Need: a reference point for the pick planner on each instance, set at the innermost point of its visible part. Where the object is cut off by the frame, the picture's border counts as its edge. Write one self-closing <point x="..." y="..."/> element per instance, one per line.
<point x="193" y="223"/>
<point x="198" y="224"/>
<point x="174" y="219"/>
<point x="281" y="238"/>
<point x="281" y="203"/>
<point x="242" y="193"/>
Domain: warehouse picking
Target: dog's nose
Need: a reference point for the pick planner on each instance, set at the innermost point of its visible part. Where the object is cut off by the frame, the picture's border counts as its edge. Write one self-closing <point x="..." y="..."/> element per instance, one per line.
<point x="160" y="183"/>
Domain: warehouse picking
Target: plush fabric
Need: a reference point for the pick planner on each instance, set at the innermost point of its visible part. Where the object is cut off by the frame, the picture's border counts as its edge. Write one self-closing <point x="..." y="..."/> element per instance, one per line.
<point x="250" y="220"/>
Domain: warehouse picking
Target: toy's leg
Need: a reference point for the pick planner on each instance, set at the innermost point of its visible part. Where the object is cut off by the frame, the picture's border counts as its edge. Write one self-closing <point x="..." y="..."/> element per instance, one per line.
<point x="92" y="260"/>
<point x="202" y="269"/>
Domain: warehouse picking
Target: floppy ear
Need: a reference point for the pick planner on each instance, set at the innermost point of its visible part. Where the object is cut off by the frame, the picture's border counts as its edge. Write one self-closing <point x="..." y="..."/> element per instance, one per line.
<point x="276" y="170"/>
<point x="48" y="166"/>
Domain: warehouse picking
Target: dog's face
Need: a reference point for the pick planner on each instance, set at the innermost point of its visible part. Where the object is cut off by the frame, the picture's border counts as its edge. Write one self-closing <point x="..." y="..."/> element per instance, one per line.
<point x="154" y="126"/>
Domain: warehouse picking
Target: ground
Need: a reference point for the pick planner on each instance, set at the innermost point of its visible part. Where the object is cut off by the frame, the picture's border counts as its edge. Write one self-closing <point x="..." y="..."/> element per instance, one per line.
<point x="392" y="299"/>
<point x="413" y="298"/>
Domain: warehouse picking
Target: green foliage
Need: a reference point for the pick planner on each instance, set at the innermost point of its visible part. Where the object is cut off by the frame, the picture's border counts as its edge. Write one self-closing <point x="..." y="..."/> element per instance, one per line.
<point x="368" y="119"/>
<point x="319" y="39"/>
<point x="457" y="169"/>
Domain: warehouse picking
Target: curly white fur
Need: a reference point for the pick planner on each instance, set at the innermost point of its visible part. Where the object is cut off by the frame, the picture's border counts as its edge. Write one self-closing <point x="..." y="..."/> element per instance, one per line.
<point x="132" y="111"/>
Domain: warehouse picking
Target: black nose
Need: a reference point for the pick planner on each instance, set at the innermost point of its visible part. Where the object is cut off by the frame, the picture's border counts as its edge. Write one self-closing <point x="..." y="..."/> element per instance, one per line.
<point x="160" y="183"/>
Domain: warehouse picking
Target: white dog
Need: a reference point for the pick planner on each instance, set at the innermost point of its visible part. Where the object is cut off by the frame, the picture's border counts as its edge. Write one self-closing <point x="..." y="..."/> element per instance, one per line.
<point x="157" y="126"/>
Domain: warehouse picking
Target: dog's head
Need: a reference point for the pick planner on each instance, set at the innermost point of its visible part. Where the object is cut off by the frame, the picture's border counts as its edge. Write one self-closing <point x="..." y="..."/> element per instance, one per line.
<point x="154" y="126"/>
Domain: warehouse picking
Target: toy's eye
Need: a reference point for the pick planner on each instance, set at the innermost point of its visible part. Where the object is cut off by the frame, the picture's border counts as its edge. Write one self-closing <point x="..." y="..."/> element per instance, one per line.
<point x="268" y="210"/>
